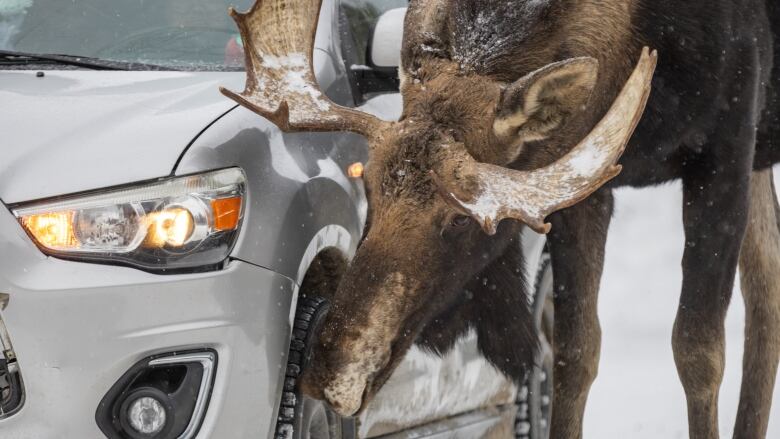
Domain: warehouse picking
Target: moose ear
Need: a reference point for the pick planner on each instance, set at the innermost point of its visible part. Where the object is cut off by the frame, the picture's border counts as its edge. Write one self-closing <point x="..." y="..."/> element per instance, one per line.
<point x="534" y="106"/>
<point x="490" y="193"/>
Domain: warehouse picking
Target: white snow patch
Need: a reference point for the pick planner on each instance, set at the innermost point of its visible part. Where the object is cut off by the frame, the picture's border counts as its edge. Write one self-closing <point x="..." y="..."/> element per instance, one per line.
<point x="500" y="193"/>
<point x="292" y="61"/>
<point x="484" y="206"/>
<point x="589" y="160"/>
<point x="637" y="393"/>
<point x="294" y="80"/>
<point x="429" y="48"/>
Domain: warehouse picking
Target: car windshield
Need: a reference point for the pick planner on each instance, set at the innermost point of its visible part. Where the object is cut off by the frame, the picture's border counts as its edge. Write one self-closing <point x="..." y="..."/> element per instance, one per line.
<point x="179" y="34"/>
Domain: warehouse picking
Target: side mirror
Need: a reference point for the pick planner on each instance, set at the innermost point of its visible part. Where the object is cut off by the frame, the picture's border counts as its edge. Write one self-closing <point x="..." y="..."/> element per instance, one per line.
<point x="385" y="49"/>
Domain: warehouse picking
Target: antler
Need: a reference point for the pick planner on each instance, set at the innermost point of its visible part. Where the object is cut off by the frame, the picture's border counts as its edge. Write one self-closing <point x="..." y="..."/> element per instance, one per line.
<point x="278" y="38"/>
<point x="530" y="196"/>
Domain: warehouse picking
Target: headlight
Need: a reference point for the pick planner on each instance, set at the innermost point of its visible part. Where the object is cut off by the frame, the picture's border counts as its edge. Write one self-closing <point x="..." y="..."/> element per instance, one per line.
<point x="182" y="222"/>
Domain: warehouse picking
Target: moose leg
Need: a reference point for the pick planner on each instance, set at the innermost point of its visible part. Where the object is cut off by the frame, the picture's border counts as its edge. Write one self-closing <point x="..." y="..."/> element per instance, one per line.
<point x="759" y="265"/>
<point x="577" y="253"/>
<point x="714" y="217"/>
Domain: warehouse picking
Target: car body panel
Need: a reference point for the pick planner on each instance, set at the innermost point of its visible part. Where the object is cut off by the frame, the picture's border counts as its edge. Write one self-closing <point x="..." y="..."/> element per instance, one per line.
<point x="298" y="188"/>
<point x="425" y="388"/>
<point x="76" y="328"/>
<point x="490" y="423"/>
<point x="72" y="131"/>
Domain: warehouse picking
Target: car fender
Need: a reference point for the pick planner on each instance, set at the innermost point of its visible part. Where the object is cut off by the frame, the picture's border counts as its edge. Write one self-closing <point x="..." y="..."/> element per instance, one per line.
<point x="299" y="198"/>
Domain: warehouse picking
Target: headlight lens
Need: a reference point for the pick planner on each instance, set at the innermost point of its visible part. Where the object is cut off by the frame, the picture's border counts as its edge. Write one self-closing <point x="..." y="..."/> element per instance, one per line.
<point x="181" y="222"/>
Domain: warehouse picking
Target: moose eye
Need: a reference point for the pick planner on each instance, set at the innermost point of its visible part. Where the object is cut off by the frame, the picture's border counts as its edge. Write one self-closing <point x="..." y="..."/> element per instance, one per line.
<point x="460" y="221"/>
<point x="456" y="135"/>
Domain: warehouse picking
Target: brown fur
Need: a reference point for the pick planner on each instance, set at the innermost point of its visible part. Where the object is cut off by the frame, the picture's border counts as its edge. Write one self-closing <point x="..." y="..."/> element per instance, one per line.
<point x="699" y="127"/>
<point x="597" y="29"/>
<point x="324" y="274"/>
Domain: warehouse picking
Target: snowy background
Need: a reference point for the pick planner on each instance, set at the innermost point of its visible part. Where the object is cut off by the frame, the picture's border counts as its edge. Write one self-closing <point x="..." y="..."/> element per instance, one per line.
<point x="637" y="394"/>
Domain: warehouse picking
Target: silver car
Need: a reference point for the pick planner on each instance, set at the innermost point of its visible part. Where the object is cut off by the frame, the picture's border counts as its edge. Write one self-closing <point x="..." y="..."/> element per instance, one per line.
<point x="156" y="239"/>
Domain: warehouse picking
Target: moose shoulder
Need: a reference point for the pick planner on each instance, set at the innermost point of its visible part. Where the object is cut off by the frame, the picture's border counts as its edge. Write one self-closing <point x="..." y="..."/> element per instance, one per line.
<point x="516" y="109"/>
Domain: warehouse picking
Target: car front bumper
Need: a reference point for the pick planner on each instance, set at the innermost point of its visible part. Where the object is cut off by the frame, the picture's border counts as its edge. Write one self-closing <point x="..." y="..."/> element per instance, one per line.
<point x="77" y="327"/>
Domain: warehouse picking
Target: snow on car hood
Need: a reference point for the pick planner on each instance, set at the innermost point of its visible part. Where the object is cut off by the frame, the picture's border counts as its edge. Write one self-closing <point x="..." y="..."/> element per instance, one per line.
<point x="71" y="131"/>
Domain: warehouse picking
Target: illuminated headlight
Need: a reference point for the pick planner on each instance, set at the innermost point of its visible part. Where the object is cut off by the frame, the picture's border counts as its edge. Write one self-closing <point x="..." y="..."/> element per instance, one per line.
<point x="181" y="222"/>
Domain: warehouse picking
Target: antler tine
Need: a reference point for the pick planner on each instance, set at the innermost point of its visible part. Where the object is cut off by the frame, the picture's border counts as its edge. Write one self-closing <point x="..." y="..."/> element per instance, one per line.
<point x="530" y="196"/>
<point x="278" y="38"/>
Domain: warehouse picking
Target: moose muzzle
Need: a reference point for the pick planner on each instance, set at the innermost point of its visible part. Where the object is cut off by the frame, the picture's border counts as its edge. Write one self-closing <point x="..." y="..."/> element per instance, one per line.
<point x="357" y="344"/>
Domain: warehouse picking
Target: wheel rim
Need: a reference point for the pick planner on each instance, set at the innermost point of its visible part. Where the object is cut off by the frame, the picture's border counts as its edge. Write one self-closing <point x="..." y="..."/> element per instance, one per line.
<point x="318" y="427"/>
<point x="319" y="422"/>
<point x="535" y="397"/>
<point x="545" y="387"/>
<point x="544" y="378"/>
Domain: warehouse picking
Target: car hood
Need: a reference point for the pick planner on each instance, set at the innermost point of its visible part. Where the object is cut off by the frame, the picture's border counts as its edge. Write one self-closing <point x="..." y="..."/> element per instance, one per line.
<point x="71" y="131"/>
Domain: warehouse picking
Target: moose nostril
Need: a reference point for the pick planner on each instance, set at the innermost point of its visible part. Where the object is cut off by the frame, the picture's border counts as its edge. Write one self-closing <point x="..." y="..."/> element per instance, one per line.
<point x="345" y="394"/>
<point x="344" y="401"/>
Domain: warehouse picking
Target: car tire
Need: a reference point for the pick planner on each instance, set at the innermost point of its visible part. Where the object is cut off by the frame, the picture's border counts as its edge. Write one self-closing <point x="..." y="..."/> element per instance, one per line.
<point x="534" y="400"/>
<point x="301" y="417"/>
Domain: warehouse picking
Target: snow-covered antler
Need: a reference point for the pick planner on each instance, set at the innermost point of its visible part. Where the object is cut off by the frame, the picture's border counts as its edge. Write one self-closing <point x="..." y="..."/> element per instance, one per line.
<point x="278" y="38"/>
<point x="529" y="196"/>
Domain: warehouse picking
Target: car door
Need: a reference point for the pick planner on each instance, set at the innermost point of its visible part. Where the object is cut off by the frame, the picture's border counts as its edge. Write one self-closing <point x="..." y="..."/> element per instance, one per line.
<point x="461" y="386"/>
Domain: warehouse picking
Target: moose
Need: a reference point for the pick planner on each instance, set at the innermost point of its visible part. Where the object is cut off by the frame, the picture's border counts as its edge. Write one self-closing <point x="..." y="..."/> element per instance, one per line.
<point x="519" y="111"/>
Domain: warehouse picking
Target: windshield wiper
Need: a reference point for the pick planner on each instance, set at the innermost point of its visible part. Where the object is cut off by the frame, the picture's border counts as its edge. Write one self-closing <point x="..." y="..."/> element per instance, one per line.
<point x="22" y="58"/>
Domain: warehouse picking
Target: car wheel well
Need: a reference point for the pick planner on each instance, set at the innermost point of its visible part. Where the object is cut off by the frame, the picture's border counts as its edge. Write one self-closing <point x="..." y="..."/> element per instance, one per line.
<point x="324" y="274"/>
<point x="301" y="417"/>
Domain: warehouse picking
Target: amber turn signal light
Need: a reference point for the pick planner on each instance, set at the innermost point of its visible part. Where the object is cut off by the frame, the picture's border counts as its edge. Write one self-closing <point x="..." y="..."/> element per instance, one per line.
<point x="227" y="213"/>
<point x="355" y="170"/>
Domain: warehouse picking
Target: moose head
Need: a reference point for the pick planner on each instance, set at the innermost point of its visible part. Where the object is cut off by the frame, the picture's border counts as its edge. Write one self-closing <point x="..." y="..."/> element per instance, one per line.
<point x="438" y="181"/>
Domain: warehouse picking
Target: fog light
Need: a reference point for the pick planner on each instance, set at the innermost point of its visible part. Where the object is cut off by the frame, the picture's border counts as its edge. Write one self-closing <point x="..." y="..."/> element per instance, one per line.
<point x="146" y="415"/>
<point x="160" y="397"/>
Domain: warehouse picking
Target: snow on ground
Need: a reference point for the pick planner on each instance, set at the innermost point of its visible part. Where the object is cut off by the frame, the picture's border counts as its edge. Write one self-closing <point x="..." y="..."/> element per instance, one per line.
<point x="637" y="394"/>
